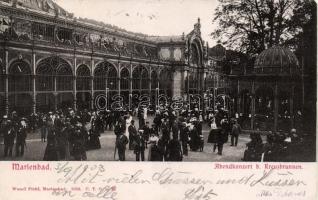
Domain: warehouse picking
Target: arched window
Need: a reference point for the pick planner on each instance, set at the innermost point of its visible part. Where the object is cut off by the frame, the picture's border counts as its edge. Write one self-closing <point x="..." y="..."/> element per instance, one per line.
<point x="193" y="80"/>
<point x="105" y="73"/>
<point x="264" y="101"/>
<point x="136" y="75"/>
<point x="144" y="79"/>
<point x="45" y="78"/>
<point x="124" y="79"/>
<point x="140" y="78"/>
<point x="54" y="69"/>
<point x="64" y="78"/>
<point x="285" y="110"/>
<point x="165" y="81"/>
<point x="264" y="108"/>
<point x="20" y="77"/>
<point x="112" y="78"/>
<point x="83" y="78"/>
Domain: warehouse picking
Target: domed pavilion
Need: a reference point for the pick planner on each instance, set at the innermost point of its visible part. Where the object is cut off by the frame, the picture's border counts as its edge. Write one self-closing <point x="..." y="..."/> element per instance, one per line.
<point x="269" y="97"/>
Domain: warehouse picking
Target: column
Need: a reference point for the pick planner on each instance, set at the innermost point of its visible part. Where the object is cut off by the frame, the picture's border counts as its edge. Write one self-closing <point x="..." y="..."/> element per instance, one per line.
<point x="55" y="94"/>
<point x="176" y="85"/>
<point x="188" y="86"/>
<point x="291" y="107"/>
<point x="118" y="80"/>
<point x="149" y="82"/>
<point x="275" y="107"/>
<point x="92" y="93"/>
<point x="130" y="88"/>
<point x="74" y="93"/>
<point x="6" y="97"/>
<point x="74" y="86"/>
<point x="182" y="83"/>
<point x="253" y="106"/>
<point x="92" y="85"/>
<point x="33" y="83"/>
<point x="238" y="102"/>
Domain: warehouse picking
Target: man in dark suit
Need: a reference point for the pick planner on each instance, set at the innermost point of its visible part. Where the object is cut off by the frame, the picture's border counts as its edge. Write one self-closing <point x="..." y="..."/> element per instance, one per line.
<point x="139" y="148"/>
<point x="20" y="140"/>
<point x="220" y="139"/>
<point x="236" y="131"/>
<point x="165" y="135"/>
<point x="119" y="129"/>
<point x="184" y="137"/>
<point x="8" y="135"/>
<point x="121" y="142"/>
<point x="132" y="134"/>
<point x="174" y="152"/>
<point x="146" y="132"/>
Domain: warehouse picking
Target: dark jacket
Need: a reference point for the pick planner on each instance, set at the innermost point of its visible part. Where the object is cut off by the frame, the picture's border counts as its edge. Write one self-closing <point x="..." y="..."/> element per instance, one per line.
<point x="236" y="130"/>
<point x="139" y="143"/>
<point x="121" y="142"/>
<point x="174" y="151"/>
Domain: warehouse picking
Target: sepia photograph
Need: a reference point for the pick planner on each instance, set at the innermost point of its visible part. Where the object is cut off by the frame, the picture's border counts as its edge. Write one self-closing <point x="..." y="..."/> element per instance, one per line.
<point x="158" y="80"/>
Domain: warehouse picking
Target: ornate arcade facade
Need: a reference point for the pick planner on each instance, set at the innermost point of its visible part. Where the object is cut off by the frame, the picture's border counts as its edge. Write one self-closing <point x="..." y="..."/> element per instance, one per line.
<point x="51" y="60"/>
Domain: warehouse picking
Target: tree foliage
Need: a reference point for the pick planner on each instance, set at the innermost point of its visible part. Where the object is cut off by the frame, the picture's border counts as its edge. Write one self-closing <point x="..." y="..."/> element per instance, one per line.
<point x="252" y="26"/>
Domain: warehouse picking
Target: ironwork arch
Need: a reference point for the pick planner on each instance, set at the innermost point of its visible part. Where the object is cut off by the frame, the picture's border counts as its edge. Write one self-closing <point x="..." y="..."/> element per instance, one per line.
<point x="20" y="76"/>
<point x="140" y="77"/>
<point x="83" y="77"/>
<point x="105" y="76"/>
<point x="124" y="79"/>
<point x="53" y="71"/>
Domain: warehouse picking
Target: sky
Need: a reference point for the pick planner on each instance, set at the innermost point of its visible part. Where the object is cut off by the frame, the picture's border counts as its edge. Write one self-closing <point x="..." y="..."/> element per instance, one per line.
<point x="152" y="17"/>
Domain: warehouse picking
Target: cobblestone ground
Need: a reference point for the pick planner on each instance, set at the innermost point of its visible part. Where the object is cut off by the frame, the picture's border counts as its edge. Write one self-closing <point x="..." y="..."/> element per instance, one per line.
<point x="35" y="150"/>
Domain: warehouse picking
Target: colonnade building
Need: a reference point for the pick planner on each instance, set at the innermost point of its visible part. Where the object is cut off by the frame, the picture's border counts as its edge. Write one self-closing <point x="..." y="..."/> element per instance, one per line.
<point x="50" y="60"/>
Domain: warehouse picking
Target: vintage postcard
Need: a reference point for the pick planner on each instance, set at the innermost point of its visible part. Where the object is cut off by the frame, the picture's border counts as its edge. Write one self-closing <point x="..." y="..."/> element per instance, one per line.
<point x="158" y="99"/>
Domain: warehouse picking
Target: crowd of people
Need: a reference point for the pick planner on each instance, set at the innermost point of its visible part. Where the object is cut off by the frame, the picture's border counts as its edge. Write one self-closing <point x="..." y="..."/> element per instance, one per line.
<point x="168" y="137"/>
<point x="278" y="147"/>
<point x="68" y="135"/>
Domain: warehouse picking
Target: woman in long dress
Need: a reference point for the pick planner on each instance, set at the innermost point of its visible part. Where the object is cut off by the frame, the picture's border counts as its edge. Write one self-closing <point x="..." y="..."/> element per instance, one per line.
<point x="78" y="150"/>
<point x="128" y="122"/>
<point x="153" y="148"/>
<point x="94" y="134"/>
<point x="51" y="151"/>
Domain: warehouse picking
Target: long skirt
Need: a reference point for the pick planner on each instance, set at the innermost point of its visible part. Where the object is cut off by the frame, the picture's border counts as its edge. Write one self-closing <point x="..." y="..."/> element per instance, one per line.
<point x="94" y="142"/>
<point x="51" y="153"/>
<point x="155" y="154"/>
<point x="79" y="152"/>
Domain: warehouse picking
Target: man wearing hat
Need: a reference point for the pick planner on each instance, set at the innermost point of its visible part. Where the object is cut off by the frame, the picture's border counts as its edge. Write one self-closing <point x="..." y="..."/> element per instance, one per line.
<point x="236" y="131"/>
<point x="121" y="142"/>
<point x="9" y="135"/>
<point x="132" y="134"/>
<point x="146" y="132"/>
<point x="139" y="147"/>
<point x="184" y="137"/>
<point x="21" y="136"/>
